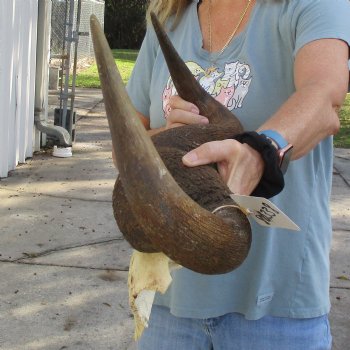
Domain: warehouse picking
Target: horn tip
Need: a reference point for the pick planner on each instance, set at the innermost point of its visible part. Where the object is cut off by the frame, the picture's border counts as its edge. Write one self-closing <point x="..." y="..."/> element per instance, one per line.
<point x="154" y="19"/>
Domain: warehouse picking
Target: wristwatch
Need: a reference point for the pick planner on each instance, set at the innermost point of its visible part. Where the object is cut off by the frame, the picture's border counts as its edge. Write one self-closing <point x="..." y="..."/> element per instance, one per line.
<point x="284" y="149"/>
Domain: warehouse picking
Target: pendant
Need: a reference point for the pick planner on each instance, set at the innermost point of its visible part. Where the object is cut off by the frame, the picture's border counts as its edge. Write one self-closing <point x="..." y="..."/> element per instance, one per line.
<point x="212" y="68"/>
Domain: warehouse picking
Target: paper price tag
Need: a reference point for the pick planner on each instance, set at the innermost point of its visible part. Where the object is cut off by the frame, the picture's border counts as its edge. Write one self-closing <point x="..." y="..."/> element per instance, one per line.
<point x="264" y="212"/>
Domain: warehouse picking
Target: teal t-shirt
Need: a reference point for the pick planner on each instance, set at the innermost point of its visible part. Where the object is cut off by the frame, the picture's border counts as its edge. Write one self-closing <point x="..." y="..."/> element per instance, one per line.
<point x="286" y="273"/>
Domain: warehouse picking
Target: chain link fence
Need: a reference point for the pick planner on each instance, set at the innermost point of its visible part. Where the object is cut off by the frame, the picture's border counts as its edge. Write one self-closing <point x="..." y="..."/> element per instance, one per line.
<point x="85" y="47"/>
<point x="60" y="19"/>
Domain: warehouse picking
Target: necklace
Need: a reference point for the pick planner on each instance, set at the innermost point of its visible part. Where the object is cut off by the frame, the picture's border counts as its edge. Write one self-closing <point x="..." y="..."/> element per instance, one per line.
<point x="213" y="61"/>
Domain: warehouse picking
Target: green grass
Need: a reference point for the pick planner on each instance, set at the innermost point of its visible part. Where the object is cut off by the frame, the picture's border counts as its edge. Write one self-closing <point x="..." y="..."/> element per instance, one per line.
<point x="342" y="139"/>
<point x="125" y="60"/>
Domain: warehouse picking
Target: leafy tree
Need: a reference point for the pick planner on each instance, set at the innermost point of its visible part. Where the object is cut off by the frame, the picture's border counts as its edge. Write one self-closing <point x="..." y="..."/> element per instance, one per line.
<point x="125" y="23"/>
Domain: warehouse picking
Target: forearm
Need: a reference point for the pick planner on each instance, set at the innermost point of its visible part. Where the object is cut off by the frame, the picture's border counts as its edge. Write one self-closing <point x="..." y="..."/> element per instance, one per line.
<point x="321" y="81"/>
<point x="307" y="117"/>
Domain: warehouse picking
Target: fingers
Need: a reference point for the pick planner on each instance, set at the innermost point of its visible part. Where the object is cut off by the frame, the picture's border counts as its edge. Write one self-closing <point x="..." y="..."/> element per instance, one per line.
<point x="176" y="102"/>
<point x="239" y="165"/>
<point x="183" y="112"/>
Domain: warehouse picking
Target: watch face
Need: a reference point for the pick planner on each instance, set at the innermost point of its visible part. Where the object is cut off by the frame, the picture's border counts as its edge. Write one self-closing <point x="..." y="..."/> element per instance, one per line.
<point x="285" y="155"/>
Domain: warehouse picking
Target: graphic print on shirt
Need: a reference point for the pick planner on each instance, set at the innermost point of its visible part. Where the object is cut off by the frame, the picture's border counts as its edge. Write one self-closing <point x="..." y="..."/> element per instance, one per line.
<point x="228" y="86"/>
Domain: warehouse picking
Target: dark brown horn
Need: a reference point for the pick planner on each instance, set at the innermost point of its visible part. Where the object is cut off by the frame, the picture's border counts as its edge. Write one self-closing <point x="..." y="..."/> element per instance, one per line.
<point x="175" y="224"/>
<point x="187" y="86"/>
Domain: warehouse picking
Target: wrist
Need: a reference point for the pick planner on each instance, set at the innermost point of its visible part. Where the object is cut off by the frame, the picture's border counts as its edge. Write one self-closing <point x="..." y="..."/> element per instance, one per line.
<point x="272" y="181"/>
<point x="277" y="139"/>
<point x="283" y="148"/>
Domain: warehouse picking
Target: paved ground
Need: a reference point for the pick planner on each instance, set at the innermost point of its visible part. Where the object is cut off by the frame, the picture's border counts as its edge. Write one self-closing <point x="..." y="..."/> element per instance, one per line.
<point x="63" y="262"/>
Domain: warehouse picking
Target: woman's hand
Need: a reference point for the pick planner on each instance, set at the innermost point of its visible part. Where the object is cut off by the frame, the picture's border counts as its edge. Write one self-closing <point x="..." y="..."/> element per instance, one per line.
<point x="240" y="166"/>
<point x="182" y="113"/>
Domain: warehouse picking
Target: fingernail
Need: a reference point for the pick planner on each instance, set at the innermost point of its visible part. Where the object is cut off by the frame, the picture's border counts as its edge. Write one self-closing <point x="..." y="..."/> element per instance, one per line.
<point x="190" y="157"/>
<point x="204" y="120"/>
<point x="194" y="109"/>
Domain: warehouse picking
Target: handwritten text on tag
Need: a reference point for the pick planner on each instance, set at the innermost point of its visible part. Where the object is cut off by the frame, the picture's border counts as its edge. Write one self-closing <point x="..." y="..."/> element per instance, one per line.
<point x="264" y="212"/>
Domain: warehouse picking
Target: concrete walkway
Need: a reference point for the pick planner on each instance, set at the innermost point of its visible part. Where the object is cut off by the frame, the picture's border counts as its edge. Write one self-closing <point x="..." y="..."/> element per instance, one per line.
<point x="63" y="262"/>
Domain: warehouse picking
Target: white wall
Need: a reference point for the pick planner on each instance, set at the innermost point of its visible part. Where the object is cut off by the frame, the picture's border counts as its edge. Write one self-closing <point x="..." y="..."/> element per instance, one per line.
<point x="18" y="26"/>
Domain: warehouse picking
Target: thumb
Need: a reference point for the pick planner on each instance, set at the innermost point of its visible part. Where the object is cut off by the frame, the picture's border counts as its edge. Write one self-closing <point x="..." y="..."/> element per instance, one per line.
<point x="210" y="152"/>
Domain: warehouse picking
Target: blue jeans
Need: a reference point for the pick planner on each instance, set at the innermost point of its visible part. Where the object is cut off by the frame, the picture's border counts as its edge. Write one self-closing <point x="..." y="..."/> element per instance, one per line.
<point x="233" y="332"/>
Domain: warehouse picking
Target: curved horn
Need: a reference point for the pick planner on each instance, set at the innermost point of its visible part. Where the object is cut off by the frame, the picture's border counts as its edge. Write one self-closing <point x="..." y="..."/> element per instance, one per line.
<point x="184" y="231"/>
<point x="187" y="86"/>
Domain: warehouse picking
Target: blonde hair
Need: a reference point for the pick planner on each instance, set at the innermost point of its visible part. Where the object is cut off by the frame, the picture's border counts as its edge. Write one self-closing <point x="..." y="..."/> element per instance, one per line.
<point x="166" y="8"/>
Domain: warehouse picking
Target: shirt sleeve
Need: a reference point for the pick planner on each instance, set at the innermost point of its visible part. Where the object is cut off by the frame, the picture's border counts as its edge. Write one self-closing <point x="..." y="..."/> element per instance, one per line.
<point x="321" y="19"/>
<point x="138" y="86"/>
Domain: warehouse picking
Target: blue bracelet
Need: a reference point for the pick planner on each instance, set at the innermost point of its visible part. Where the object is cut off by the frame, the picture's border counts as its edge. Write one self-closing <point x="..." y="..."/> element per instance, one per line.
<point x="275" y="136"/>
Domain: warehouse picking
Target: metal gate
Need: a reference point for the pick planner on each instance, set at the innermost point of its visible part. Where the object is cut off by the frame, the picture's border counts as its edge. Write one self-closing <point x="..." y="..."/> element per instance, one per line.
<point x="70" y="42"/>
